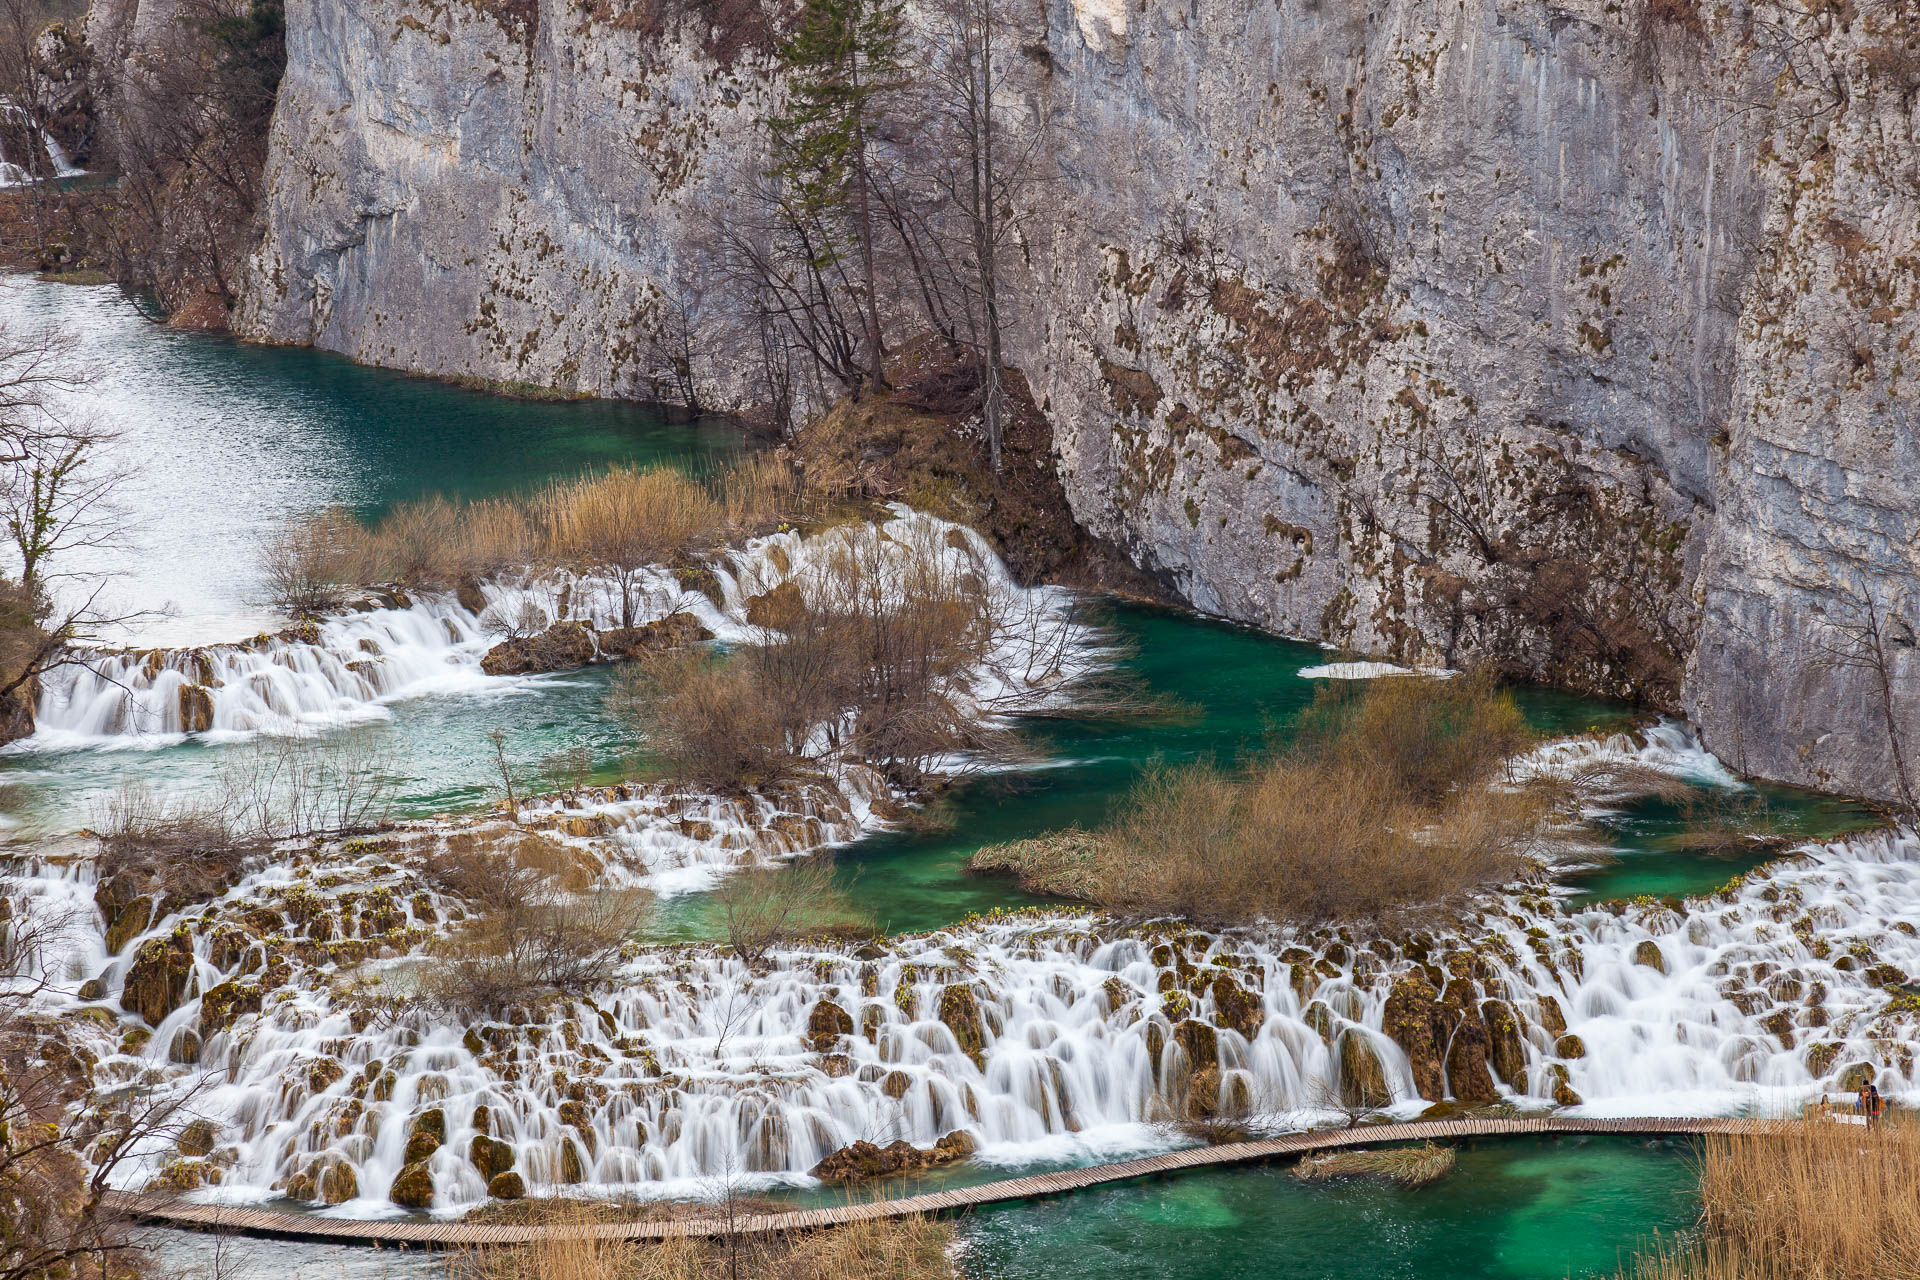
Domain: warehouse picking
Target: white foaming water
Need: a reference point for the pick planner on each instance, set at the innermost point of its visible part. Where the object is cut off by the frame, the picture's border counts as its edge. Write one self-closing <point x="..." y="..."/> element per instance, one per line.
<point x="1671" y="747"/>
<point x="348" y="668"/>
<point x="693" y="1067"/>
<point x="19" y="175"/>
<point x="342" y="672"/>
<point x="1370" y="671"/>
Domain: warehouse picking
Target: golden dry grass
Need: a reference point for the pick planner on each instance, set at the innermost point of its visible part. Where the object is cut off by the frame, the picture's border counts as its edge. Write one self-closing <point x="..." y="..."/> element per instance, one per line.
<point x="1816" y="1201"/>
<point x="894" y="1249"/>
<point x="1408" y="1166"/>
<point x="1394" y="796"/>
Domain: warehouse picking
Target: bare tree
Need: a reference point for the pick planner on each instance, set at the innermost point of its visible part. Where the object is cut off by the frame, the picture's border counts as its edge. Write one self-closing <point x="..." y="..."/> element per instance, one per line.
<point x="1859" y="637"/>
<point x="986" y="170"/>
<point x="53" y="1216"/>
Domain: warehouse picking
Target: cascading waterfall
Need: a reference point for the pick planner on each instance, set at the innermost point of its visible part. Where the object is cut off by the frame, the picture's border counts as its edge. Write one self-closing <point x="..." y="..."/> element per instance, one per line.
<point x="347" y="668"/>
<point x="19" y="175"/>
<point x="1041" y="1036"/>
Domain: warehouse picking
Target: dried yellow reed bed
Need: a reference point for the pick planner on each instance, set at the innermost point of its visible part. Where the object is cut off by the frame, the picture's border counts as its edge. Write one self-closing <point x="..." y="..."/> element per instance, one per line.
<point x="1815" y="1200"/>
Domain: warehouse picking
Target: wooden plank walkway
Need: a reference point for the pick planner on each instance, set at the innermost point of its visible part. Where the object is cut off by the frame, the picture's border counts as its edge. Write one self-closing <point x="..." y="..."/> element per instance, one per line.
<point x="441" y="1235"/>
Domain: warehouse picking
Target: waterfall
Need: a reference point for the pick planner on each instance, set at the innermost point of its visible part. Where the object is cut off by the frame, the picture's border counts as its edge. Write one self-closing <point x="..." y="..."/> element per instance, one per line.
<point x="349" y="668"/>
<point x="1043" y="1036"/>
<point x="20" y="175"/>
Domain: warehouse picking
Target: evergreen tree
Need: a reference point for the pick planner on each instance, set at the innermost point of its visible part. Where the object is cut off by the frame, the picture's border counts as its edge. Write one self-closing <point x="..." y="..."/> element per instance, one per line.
<point x="843" y="60"/>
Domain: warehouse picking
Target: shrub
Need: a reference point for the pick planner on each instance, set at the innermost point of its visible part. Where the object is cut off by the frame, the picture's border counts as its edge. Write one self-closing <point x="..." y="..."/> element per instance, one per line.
<point x="765" y="907"/>
<point x="309" y="563"/>
<point x="620" y="523"/>
<point x="708" y="720"/>
<point x="542" y="926"/>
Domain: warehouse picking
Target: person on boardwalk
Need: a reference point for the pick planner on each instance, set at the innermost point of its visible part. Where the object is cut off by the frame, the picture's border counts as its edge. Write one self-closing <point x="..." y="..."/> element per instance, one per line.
<point x="1826" y="1107"/>
<point x="1877" y="1105"/>
<point x="1864" y="1107"/>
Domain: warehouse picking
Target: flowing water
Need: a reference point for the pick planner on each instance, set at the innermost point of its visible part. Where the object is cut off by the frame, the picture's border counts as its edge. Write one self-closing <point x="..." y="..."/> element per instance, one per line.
<point x="1051" y="1040"/>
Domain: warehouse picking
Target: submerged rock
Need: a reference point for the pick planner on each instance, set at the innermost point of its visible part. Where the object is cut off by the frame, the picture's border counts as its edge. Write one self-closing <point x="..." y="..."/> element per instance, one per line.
<point x="566" y="645"/>
<point x="412" y="1188"/>
<point x="561" y="647"/>
<point x="863" y="1160"/>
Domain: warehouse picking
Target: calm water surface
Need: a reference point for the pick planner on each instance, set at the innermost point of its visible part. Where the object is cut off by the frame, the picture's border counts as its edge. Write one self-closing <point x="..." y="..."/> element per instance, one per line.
<point x="1551" y="1209"/>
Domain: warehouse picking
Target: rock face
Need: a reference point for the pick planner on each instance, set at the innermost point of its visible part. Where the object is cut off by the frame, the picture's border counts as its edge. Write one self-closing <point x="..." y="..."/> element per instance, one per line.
<point x="1571" y="335"/>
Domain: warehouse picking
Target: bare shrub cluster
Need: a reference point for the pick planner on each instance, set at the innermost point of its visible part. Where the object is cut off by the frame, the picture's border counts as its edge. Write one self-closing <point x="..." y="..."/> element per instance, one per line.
<point x="766" y="907"/>
<point x="54" y="1218"/>
<point x="1813" y="1198"/>
<point x="868" y="658"/>
<point x="540" y="925"/>
<point x="1394" y="796"/>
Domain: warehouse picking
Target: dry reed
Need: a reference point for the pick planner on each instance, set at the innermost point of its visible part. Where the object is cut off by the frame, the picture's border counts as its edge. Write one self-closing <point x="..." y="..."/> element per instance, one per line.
<point x="913" y="1248"/>
<point x="1407" y="1166"/>
<point x="1815" y="1200"/>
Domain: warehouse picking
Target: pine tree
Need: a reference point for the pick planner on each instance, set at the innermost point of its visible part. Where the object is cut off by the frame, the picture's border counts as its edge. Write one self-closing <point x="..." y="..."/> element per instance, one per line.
<point x="843" y="60"/>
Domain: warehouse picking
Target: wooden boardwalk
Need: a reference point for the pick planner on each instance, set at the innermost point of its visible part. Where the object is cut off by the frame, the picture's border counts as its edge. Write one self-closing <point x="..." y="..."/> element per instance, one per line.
<point x="441" y="1235"/>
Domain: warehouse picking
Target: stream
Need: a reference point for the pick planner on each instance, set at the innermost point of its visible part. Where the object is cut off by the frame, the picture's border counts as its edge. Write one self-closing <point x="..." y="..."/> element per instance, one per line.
<point x="219" y="439"/>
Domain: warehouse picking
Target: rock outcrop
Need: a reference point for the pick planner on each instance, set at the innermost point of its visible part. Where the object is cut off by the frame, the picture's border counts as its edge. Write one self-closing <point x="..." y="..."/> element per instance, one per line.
<point x="1572" y="336"/>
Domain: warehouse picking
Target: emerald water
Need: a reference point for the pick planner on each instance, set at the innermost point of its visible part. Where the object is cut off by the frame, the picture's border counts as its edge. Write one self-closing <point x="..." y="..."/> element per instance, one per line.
<point x="221" y="439"/>
<point x="1559" y="1208"/>
<point x="1553" y="1209"/>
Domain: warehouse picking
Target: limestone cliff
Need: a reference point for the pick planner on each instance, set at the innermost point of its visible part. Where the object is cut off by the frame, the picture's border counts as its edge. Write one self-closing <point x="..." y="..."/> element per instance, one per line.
<point x="1567" y="334"/>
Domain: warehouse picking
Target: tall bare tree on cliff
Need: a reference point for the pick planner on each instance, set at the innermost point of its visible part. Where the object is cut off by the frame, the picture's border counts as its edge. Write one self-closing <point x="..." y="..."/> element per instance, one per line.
<point x="844" y="60"/>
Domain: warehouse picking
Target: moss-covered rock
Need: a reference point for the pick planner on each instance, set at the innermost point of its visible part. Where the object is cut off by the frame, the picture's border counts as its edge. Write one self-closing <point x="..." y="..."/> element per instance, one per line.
<point x="225" y="1004"/>
<point x="426" y="1134"/>
<point x="561" y="647"/>
<point x="1551" y="1017"/>
<point x="128" y="922"/>
<point x="1562" y="1086"/>
<point x="490" y="1155"/>
<point x="960" y="1011"/>
<point x="1508" y="1048"/>
<point x="413" y="1188"/>
<point x="1820" y="1058"/>
<point x="573" y="1166"/>
<point x="1199" y="1042"/>
<point x="1362" y="1077"/>
<point x="183" y="1176"/>
<point x="1648" y="954"/>
<point x="1855" y="1077"/>
<point x="507" y="1186"/>
<point x="1411" y="1020"/>
<point x="826" y="1024"/>
<point x="1569" y="1046"/>
<point x="197" y="1138"/>
<point x="1236" y="1007"/>
<point x="158" y="978"/>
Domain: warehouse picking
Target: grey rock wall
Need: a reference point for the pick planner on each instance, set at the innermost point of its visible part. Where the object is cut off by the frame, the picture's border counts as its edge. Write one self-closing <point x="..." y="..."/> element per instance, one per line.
<point x="1571" y="335"/>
